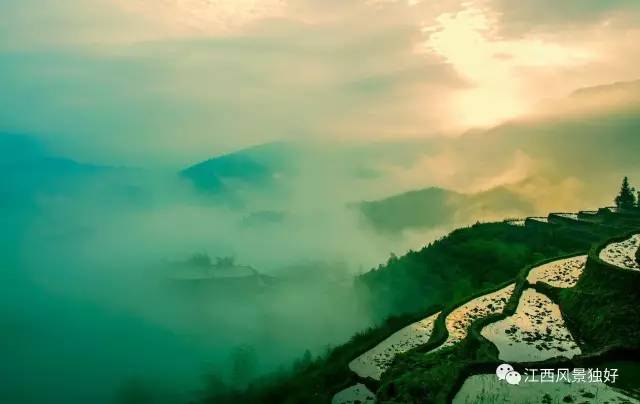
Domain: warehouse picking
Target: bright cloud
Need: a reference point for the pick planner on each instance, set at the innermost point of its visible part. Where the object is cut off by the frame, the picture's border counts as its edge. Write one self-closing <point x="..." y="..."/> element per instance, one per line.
<point x="205" y="76"/>
<point x="497" y="90"/>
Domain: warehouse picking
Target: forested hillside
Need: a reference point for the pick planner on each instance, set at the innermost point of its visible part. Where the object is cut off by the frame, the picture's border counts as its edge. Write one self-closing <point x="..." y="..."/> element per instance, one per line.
<point x="466" y="261"/>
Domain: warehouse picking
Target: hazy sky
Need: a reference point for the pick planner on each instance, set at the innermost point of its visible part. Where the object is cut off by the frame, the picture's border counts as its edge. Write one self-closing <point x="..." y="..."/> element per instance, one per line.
<point x="172" y="81"/>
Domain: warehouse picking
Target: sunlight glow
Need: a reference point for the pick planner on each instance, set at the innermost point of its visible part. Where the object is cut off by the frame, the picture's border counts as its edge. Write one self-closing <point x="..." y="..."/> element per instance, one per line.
<point x="492" y="66"/>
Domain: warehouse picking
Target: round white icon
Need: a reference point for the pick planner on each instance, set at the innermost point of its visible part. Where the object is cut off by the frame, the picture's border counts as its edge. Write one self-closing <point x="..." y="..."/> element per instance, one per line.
<point x="513" y="377"/>
<point x="502" y="370"/>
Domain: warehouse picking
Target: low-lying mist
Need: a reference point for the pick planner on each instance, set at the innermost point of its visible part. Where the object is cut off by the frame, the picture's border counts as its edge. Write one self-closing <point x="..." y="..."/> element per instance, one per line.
<point x="110" y="285"/>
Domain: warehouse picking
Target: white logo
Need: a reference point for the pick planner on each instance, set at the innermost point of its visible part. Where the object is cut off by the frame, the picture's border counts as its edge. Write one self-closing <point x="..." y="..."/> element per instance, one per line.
<point x="507" y="373"/>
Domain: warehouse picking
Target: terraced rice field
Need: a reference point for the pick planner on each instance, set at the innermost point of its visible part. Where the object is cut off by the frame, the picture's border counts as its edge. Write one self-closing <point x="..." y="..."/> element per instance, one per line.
<point x="540" y="219"/>
<point x="623" y="253"/>
<point x="375" y="361"/>
<point x="358" y="393"/>
<point x="487" y="389"/>
<point x="562" y="273"/>
<point x="573" y="216"/>
<point x="534" y="333"/>
<point x="515" y="222"/>
<point x="461" y="318"/>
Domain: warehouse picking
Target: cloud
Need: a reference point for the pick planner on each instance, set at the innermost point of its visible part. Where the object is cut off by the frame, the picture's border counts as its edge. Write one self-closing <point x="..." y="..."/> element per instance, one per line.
<point x="492" y="65"/>
<point x="537" y="15"/>
<point x="42" y="24"/>
<point x="182" y="99"/>
<point x="143" y="81"/>
<point x="204" y="16"/>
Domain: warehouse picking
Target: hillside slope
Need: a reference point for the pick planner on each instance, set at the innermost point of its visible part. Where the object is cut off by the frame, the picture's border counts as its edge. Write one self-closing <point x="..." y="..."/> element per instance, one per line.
<point x="588" y="322"/>
<point x="486" y="258"/>
<point x="468" y="260"/>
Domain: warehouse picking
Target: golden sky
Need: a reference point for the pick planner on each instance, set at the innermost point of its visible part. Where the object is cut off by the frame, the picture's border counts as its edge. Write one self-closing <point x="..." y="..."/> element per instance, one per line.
<point x="171" y="77"/>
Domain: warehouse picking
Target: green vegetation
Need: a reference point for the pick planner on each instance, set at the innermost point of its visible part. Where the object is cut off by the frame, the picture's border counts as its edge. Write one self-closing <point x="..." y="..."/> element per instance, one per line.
<point x="467" y="261"/>
<point x="600" y="311"/>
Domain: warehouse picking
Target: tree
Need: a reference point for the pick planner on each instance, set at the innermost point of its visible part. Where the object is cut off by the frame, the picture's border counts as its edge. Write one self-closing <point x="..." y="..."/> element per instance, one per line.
<point x="625" y="199"/>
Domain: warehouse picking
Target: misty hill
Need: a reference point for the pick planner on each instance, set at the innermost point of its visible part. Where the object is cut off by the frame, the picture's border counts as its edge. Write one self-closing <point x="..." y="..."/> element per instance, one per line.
<point x="432" y="207"/>
<point x="630" y="89"/>
<point x="257" y="166"/>
<point x="429" y="207"/>
<point x="211" y="175"/>
<point x="574" y="139"/>
<point x="34" y="179"/>
<point x="559" y="158"/>
<point x="28" y="169"/>
<point x="337" y="171"/>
